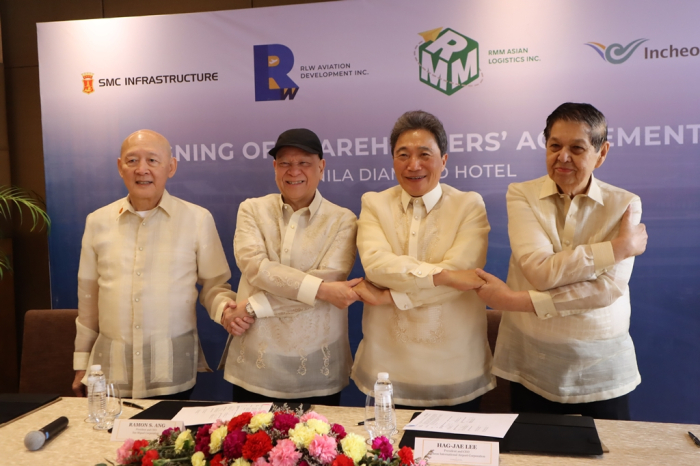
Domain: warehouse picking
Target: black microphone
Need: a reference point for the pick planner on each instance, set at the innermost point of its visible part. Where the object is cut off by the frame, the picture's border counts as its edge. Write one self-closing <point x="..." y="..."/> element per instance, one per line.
<point x="37" y="438"/>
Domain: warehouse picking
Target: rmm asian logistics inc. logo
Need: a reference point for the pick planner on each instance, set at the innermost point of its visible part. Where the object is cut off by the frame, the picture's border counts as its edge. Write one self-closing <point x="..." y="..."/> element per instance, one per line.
<point x="272" y="64"/>
<point x="88" y="88"/>
<point x="616" y="53"/>
<point x="448" y="60"/>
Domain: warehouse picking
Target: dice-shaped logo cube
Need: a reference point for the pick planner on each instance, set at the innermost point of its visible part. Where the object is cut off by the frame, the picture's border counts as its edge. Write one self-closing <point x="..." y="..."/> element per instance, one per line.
<point x="449" y="62"/>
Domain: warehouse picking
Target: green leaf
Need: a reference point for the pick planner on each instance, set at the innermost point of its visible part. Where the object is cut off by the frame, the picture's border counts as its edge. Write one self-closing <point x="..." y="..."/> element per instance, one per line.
<point x="5" y="263"/>
<point x="23" y="199"/>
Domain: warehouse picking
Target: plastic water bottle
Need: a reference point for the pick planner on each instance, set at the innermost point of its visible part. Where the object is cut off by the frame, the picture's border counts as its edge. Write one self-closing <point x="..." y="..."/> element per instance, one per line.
<point x="384" y="415"/>
<point x="97" y="392"/>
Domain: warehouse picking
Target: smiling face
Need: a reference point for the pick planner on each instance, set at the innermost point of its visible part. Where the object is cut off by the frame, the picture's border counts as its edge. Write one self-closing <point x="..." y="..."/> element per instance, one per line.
<point x="297" y="174"/>
<point x="417" y="161"/>
<point x="571" y="157"/>
<point x="145" y="165"/>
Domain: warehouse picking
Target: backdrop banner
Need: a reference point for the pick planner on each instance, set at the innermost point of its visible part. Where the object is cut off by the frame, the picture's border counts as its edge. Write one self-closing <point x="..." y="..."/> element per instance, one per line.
<point x="223" y="85"/>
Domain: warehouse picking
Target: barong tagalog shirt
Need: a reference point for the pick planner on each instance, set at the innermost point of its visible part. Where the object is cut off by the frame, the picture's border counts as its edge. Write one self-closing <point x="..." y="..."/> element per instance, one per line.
<point x="137" y="294"/>
<point x="298" y="346"/>
<point x="576" y="348"/>
<point x="432" y="340"/>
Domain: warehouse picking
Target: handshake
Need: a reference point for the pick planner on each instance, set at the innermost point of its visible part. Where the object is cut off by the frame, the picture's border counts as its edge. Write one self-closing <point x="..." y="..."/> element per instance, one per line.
<point x="237" y="321"/>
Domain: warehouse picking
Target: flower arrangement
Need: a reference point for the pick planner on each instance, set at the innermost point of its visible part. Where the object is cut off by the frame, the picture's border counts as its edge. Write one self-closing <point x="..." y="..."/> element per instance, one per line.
<point x="279" y="438"/>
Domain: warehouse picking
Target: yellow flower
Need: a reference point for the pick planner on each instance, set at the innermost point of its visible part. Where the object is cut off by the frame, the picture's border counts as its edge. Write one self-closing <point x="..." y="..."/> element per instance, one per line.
<point x="217" y="439"/>
<point x="302" y="435"/>
<point x="198" y="459"/>
<point x="181" y="439"/>
<point x="319" y="426"/>
<point x="239" y="462"/>
<point x="259" y="421"/>
<point x="354" y="446"/>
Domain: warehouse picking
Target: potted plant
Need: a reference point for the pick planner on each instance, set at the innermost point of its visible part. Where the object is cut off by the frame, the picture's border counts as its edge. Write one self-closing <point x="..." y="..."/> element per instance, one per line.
<point x="22" y="199"/>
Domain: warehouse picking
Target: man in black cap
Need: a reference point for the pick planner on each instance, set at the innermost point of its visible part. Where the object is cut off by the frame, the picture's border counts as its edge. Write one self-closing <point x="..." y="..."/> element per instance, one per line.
<point x="295" y="251"/>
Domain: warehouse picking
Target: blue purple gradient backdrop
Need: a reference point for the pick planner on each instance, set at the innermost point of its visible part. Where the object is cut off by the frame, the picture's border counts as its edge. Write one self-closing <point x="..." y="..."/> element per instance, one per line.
<point x="82" y="133"/>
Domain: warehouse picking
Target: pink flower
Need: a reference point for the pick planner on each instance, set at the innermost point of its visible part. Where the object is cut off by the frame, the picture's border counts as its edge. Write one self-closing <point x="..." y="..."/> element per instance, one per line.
<point x="284" y="454"/>
<point x="233" y="444"/>
<point x="216" y="425"/>
<point x="124" y="451"/>
<point x="284" y="421"/>
<point x="313" y="415"/>
<point x="383" y="444"/>
<point x="261" y="462"/>
<point x="339" y="431"/>
<point x="324" y="448"/>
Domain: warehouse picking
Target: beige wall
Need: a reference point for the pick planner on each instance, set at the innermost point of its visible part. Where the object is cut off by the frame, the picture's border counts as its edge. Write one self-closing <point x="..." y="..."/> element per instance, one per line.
<point x="26" y="160"/>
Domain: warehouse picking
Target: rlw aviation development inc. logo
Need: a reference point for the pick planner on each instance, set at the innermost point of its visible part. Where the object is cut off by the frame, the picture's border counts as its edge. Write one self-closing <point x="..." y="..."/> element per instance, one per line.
<point x="448" y="60"/>
<point x="616" y="53"/>
<point x="272" y="64"/>
<point x="88" y="88"/>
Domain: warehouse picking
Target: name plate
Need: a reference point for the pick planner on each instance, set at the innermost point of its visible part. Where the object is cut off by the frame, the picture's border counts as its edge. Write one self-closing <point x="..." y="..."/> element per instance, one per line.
<point x="448" y="451"/>
<point x="142" y="429"/>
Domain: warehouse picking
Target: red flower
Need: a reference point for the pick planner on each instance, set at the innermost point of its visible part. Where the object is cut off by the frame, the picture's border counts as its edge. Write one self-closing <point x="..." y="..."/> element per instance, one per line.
<point x="217" y="460"/>
<point x="138" y="445"/>
<point x="406" y="455"/>
<point x="343" y="460"/>
<point x="239" y="421"/>
<point x="257" y="445"/>
<point x="149" y="457"/>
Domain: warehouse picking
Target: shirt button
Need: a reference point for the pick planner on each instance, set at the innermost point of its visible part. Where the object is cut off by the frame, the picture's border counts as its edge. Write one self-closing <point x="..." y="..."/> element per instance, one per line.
<point x="138" y="353"/>
<point x="567" y="242"/>
<point x="413" y="233"/>
<point x="293" y="227"/>
<point x="138" y="326"/>
<point x="548" y="315"/>
<point x="286" y="250"/>
<point x="138" y="273"/>
<point x="144" y="223"/>
<point x="137" y="300"/>
<point x="405" y="306"/>
<point x="140" y="249"/>
<point x="419" y="273"/>
<point x="416" y="217"/>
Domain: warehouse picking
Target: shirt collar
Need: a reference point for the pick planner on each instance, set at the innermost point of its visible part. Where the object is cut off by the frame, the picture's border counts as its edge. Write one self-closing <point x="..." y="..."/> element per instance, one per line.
<point x="429" y="199"/>
<point x="313" y="207"/>
<point x="166" y="203"/>
<point x="549" y="188"/>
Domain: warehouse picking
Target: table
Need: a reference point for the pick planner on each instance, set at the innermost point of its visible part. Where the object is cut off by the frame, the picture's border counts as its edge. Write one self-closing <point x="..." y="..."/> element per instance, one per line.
<point x="630" y="443"/>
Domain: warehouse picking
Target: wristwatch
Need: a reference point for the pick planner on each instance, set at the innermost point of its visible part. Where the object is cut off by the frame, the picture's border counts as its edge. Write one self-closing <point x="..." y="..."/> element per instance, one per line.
<point x="249" y="309"/>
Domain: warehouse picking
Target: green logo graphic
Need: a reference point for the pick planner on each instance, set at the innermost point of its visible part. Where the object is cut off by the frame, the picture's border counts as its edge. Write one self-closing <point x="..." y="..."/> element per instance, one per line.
<point x="448" y="60"/>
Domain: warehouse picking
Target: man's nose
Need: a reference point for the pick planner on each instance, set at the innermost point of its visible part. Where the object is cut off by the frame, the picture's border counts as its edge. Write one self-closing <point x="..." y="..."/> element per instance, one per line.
<point x="564" y="156"/>
<point x="142" y="167"/>
<point x="414" y="163"/>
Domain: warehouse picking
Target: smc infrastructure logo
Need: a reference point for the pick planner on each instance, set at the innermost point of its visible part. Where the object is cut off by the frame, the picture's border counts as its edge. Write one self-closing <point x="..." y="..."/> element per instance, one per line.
<point x="448" y="60"/>
<point x="88" y="88"/>
<point x="616" y="53"/>
<point x="272" y="64"/>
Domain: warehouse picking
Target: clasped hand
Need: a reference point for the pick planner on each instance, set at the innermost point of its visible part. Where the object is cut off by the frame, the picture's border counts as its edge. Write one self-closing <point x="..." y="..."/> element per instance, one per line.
<point x="235" y="319"/>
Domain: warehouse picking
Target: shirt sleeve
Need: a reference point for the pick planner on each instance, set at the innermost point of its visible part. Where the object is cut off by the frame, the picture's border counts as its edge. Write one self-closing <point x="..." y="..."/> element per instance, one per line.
<point x="534" y="253"/>
<point x="598" y="283"/>
<point x="213" y="271"/>
<point x="285" y="290"/>
<point x="87" y="323"/>
<point x="409" y="280"/>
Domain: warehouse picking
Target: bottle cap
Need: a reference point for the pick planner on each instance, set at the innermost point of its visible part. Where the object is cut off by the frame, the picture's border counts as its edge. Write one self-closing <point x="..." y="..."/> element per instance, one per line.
<point x="383" y="376"/>
<point x="96" y="367"/>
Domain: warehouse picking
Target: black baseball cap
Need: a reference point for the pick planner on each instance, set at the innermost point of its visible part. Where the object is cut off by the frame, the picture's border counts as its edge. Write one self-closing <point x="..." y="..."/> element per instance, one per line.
<point x="303" y="138"/>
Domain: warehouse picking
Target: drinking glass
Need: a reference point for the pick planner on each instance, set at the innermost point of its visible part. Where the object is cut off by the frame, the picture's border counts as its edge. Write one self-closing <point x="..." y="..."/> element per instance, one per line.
<point x="112" y="408"/>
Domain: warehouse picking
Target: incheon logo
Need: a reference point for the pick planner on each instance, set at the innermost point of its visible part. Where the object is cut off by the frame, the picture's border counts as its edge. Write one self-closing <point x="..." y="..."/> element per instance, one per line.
<point x="87" y="83"/>
<point x="616" y="53"/>
<point x="272" y="64"/>
<point x="448" y="60"/>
